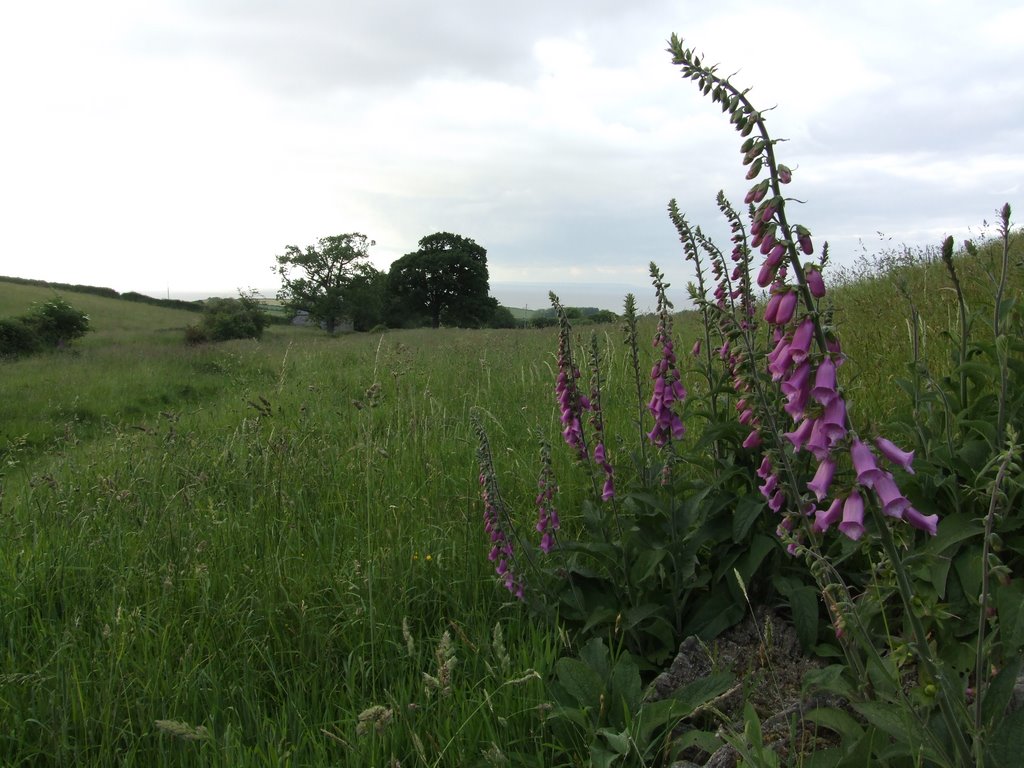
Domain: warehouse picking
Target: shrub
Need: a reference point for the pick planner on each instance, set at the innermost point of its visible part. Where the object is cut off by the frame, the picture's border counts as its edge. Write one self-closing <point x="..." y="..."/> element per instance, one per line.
<point x="223" y="319"/>
<point x="17" y="338"/>
<point x="51" y="324"/>
<point x="56" y="322"/>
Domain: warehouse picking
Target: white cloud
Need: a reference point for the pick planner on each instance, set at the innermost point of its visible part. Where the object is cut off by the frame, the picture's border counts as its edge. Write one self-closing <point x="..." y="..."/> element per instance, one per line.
<point x="185" y="142"/>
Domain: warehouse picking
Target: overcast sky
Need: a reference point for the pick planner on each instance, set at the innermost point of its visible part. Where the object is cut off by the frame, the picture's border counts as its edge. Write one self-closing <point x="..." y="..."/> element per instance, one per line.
<point x="179" y="145"/>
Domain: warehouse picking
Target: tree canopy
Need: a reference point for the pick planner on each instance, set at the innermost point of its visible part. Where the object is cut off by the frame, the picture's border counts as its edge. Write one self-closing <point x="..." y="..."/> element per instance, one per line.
<point x="332" y="280"/>
<point x="444" y="281"/>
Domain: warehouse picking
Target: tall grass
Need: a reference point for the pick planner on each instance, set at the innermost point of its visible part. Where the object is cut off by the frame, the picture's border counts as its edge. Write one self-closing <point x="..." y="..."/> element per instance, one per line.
<point x="231" y="555"/>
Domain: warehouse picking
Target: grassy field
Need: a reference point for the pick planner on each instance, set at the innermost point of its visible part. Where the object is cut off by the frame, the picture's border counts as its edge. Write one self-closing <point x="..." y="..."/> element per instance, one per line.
<point x="230" y="554"/>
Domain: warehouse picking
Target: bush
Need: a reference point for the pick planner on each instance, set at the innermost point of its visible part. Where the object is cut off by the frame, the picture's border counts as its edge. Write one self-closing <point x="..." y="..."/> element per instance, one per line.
<point x="223" y="319"/>
<point x="56" y="322"/>
<point x="502" y="318"/>
<point x="52" y="324"/>
<point x="17" y="338"/>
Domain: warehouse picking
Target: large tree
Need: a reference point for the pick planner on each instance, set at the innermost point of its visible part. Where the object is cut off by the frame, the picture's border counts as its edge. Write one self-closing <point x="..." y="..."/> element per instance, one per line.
<point x="326" y="280"/>
<point x="444" y="281"/>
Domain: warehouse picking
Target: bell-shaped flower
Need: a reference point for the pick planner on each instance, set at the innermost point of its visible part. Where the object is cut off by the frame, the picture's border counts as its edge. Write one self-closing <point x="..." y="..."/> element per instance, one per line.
<point x="815" y="284"/>
<point x="824" y="390"/>
<point x="927" y="523"/>
<point x="801" y="342"/>
<point x="904" y="459"/>
<point x="834" y="420"/>
<point x="852" y="524"/>
<point x="822" y="478"/>
<point x="824" y="518"/>
<point x="894" y="503"/>
<point x="753" y="440"/>
<point x="864" y="464"/>
<point x="800" y="435"/>
<point x="787" y="306"/>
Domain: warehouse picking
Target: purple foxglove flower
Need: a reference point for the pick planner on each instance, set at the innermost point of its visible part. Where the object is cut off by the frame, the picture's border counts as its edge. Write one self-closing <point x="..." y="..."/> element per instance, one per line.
<point x="608" y="492"/>
<point x="787" y="306"/>
<point x="771" y="309"/>
<point x="547" y="542"/>
<point x="775" y="255"/>
<point x="785" y="174"/>
<point x="818" y="443"/>
<point x="796" y="404"/>
<point x="824" y="518"/>
<point x="599" y="454"/>
<point x="814" y="282"/>
<point x="822" y="478"/>
<point x="834" y="420"/>
<point x="746" y="416"/>
<point x="753" y="439"/>
<point x="801" y="342"/>
<point x="777" y="502"/>
<point x="797" y="380"/>
<point x="864" y="464"/>
<point x="770" y="484"/>
<point x="894" y="504"/>
<point x="853" y="516"/>
<point x="766" y="274"/>
<point x="903" y="459"/>
<point x="765" y="469"/>
<point x="768" y="242"/>
<point x="927" y="523"/>
<point x="799" y="435"/>
<point x="824" y="390"/>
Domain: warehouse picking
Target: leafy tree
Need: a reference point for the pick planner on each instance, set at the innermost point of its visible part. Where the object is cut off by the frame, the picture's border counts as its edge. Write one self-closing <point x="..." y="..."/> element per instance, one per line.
<point x="503" y="318"/>
<point x="366" y="297"/>
<point x="325" y="279"/>
<point x="445" y="280"/>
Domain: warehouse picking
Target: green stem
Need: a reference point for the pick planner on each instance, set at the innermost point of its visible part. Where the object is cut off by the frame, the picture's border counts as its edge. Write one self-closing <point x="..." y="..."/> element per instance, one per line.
<point x="924" y="655"/>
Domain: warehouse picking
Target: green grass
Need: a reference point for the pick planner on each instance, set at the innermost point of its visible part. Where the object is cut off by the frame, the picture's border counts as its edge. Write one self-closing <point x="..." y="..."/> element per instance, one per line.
<point x="233" y="536"/>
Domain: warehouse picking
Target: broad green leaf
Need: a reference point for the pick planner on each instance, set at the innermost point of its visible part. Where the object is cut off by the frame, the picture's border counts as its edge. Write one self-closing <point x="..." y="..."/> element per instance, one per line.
<point x="748" y="509"/>
<point x="618" y="741"/>
<point x="1010" y="608"/>
<point x="625" y="685"/>
<point x="998" y="694"/>
<point x="889" y="718"/>
<point x="595" y="655"/>
<point x="836" y="720"/>
<point x="580" y="682"/>
<point x="701" y="691"/>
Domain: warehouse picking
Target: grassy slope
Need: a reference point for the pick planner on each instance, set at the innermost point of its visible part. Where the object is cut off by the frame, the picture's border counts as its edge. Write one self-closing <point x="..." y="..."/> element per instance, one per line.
<point x="179" y="549"/>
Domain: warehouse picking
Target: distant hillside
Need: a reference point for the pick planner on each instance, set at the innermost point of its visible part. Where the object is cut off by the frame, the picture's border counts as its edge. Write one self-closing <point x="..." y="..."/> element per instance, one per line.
<point x="109" y="316"/>
<point x="110" y="293"/>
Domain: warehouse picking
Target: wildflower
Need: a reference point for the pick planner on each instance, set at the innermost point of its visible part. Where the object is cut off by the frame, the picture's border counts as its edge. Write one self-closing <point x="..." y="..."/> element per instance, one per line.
<point x="753" y="440"/>
<point x="902" y="458"/>
<point x="799" y="346"/>
<point x="864" y="464"/>
<point x="668" y="388"/>
<point x="822" y="478"/>
<point x="814" y="282"/>
<point x="824" y="390"/>
<point x="547" y="515"/>
<point x="893" y="502"/>
<point x="852" y="524"/>
<point x="926" y="523"/>
<point x="800" y="435"/>
<point x="825" y="518"/>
